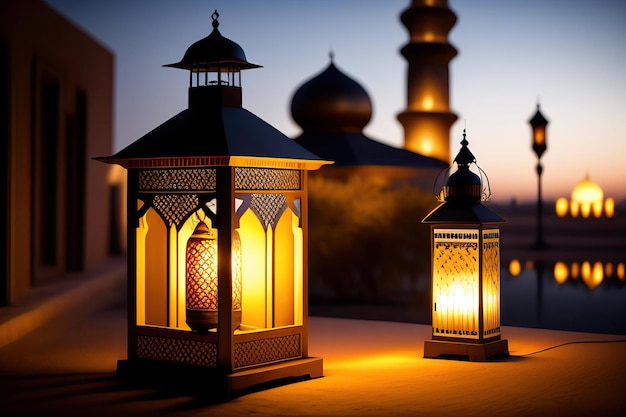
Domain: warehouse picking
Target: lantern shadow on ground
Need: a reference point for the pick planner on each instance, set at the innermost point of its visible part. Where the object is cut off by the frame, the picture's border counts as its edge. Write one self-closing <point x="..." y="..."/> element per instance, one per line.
<point x="204" y="386"/>
<point x="48" y="388"/>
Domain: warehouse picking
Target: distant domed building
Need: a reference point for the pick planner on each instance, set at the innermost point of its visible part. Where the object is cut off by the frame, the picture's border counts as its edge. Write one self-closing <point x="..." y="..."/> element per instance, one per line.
<point x="333" y="109"/>
<point x="587" y="200"/>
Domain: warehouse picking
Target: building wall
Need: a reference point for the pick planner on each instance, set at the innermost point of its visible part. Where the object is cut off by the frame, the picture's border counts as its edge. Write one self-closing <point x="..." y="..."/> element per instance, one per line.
<point x="60" y="114"/>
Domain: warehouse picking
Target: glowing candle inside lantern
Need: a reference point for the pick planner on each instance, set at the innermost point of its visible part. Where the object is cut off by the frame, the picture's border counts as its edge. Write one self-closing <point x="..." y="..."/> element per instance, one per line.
<point x="202" y="280"/>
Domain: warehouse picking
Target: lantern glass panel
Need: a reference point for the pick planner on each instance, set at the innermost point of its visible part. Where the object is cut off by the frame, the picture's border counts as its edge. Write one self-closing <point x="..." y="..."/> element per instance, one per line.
<point x="272" y="268"/>
<point x="539" y="135"/>
<point x="491" y="282"/>
<point x="151" y="263"/>
<point x="455" y="283"/>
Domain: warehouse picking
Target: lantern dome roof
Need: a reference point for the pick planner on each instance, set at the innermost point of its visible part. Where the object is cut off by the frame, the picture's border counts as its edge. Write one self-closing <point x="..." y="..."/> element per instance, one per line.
<point x="587" y="191"/>
<point x="214" y="52"/>
<point x="331" y="102"/>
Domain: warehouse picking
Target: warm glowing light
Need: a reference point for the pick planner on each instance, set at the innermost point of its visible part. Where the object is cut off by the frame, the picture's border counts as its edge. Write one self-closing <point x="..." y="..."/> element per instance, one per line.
<point x="515" y="267"/>
<point x="381" y="361"/>
<point x="560" y="272"/>
<point x="621" y="271"/>
<point x="427" y="146"/>
<point x="593" y="276"/>
<point x="575" y="269"/>
<point x="608" y="269"/>
<point x="255" y="261"/>
<point x="539" y="135"/>
<point x="562" y="207"/>
<point x="202" y="278"/>
<point x="428" y="103"/>
<point x="455" y="290"/>
<point x="585" y="270"/>
<point x="589" y="197"/>
<point x="587" y="200"/>
<point x="609" y="207"/>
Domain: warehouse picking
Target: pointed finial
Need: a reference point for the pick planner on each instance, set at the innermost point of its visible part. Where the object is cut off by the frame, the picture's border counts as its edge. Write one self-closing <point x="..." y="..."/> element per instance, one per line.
<point x="464" y="142"/>
<point x="214" y="17"/>
<point x="465" y="156"/>
<point x="331" y="55"/>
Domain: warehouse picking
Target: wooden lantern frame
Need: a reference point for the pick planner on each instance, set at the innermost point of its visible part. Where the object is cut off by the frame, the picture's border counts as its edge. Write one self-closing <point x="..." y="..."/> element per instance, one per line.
<point x="218" y="163"/>
<point x="465" y="260"/>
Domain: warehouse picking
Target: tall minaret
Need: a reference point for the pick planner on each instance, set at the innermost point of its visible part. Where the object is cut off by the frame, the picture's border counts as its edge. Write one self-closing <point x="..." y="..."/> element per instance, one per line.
<point x="427" y="118"/>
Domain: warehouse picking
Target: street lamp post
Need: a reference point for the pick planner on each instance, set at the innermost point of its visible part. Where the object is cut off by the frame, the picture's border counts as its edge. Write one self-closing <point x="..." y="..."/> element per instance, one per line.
<point x="539" y="124"/>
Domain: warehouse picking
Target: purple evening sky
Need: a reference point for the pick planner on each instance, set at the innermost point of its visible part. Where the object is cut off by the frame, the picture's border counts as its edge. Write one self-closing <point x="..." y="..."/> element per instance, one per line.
<point x="569" y="54"/>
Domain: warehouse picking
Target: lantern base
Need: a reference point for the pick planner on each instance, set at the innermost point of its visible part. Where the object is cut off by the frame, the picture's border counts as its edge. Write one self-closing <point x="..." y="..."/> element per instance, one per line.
<point x="213" y="383"/>
<point x="476" y="352"/>
<point x="202" y="321"/>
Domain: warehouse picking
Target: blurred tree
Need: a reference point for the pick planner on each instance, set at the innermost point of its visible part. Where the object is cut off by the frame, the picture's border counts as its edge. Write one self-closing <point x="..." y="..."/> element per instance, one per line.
<point x="366" y="240"/>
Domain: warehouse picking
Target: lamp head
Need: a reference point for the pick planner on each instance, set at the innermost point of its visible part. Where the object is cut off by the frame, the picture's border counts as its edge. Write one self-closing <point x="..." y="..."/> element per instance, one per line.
<point x="538" y="124"/>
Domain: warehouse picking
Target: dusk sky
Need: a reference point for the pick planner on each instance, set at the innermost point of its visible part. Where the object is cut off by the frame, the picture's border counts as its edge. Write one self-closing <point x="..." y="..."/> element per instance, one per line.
<point x="568" y="54"/>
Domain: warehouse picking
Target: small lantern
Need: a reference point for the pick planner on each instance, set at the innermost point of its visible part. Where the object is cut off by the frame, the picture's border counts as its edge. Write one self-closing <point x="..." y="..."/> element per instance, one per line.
<point x="465" y="247"/>
<point x="201" y="279"/>
<point x="217" y="238"/>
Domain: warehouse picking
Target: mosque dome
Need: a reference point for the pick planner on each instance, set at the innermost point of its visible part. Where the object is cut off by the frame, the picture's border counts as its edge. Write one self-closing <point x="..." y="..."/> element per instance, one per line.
<point x="587" y="196"/>
<point x="331" y="102"/>
<point x="587" y="191"/>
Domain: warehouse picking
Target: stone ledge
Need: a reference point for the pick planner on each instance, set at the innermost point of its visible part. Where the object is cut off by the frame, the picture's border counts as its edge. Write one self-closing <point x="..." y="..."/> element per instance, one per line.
<point x="91" y="289"/>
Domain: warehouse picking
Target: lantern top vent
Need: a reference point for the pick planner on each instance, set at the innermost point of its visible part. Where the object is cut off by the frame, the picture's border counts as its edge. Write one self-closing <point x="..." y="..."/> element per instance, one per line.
<point x="458" y="182"/>
<point x="213" y="53"/>
<point x="462" y="191"/>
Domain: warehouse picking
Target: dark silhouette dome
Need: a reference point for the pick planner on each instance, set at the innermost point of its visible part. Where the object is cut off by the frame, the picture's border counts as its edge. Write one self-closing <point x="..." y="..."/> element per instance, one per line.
<point x="331" y="102"/>
<point x="213" y="52"/>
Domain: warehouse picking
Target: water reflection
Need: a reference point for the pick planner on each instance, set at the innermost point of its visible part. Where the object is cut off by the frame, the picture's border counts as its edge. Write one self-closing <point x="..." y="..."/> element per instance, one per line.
<point x="584" y="296"/>
<point x="592" y="273"/>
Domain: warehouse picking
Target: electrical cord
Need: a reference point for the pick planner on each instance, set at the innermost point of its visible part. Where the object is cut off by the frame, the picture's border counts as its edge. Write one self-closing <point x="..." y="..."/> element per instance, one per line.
<point x="577" y="342"/>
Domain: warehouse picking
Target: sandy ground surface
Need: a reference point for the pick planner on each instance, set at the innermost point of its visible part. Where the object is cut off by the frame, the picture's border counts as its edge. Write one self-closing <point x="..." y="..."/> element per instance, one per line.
<point x="371" y="368"/>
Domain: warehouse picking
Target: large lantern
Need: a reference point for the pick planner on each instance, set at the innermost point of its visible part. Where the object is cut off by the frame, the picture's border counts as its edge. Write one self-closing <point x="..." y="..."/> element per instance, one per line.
<point x="465" y="246"/>
<point x="217" y="237"/>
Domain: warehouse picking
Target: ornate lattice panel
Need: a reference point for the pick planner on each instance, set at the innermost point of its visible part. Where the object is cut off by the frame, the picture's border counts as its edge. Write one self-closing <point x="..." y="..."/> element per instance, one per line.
<point x="267" y="350"/>
<point x="266" y="179"/>
<point x="455" y="283"/>
<point x="268" y="208"/>
<point x="199" y="179"/>
<point x="190" y="352"/>
<point x="174" y="207"/>
<point x="491" y="282"/>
